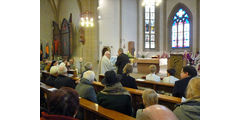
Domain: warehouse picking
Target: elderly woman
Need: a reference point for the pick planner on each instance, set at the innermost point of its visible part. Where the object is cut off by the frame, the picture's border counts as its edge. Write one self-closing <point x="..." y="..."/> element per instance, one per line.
<point x="114" y="96"/>
<point x="62" y="79"/>
<point x="190" y="109"/>
<point x="62" y="104"/>
<point x="127" y="80"/>
<point x="150" y="97"/>
<point x="85" y="88"/>
<point x="87" y="66"/>
<point x="53" y="76"/>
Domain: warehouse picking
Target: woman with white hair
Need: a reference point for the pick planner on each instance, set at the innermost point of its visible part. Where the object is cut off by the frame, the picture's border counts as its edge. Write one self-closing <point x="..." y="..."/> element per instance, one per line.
<point x="62" y="80"/>
<point x="85" y="88"/>
<point x="53" y="76"/>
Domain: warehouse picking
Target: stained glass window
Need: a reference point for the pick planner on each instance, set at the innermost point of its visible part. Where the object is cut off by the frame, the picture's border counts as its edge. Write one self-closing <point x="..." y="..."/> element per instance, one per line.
<point x="181" y="30"/>
<point x="149" y="25"/>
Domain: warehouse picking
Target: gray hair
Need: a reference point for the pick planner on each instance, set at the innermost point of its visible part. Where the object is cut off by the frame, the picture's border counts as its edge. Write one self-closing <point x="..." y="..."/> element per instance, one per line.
<point x="89" y="75"/>
<point x="62" y="69"/>
<point x="120" y="50"/>
<point x="54" y="70"/>
<point x="88" y="66"/>
<point x="150" y="97"/>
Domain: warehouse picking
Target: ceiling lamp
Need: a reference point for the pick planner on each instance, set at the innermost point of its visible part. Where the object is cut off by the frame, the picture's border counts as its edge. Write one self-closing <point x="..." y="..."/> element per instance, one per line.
<point x="86" y="19"/>
<point x="147" y="2"/>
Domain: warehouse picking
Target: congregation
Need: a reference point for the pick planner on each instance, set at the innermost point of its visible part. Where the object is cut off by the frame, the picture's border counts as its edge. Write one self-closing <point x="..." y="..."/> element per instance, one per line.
<point x="63" y="103"/>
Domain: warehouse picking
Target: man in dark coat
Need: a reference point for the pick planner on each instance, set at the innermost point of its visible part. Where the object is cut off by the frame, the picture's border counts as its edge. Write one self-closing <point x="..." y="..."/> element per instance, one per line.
<point x="188" y="72"/>
<point x="114" y="96"/>
<point x="122" y="60"/>
<point x="62" y="80"/>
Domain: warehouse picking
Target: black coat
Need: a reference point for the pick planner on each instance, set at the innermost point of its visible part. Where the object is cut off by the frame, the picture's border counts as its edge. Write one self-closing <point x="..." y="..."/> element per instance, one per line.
<point x="122" y="60"/>
<point x="180" y="87"/>
<point x="50" y="80"/>
<point x="120" y="103"/>
<point x="64" y="81"/>
<point x="128" y="81"/>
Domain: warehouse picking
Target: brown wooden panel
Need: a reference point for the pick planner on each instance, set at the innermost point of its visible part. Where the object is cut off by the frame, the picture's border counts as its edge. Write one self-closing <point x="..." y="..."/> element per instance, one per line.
<point x="143" y="64"/>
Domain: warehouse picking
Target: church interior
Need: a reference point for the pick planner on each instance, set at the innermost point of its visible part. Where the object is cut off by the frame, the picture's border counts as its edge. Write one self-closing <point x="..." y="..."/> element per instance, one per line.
<point x="148" y="49"/>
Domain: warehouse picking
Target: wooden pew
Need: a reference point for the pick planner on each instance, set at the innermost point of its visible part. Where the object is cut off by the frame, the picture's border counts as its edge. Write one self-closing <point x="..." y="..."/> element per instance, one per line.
<point x="136" y="94"/>
<point x="157" y="86"/>
<point x="93" y="111"/>
<point x="168" y="101"/>
<point x="46" y="74"/>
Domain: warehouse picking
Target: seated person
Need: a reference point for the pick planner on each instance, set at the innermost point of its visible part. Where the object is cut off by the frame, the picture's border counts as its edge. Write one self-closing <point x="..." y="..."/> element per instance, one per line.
<point x="62" y="79"/>
<point x="87" y="66"/>
<point x="187" y="73"/>
<point x="85" y="88"/>
<point x="53" y="76"/>
<point x="47" y="66"/>
<point x="127" y="80"/>
<point x="62" y="104"/>
<point x="157" y="112"/>
<point x="190" y="109"/>
<point x="152" y="76"/>
<point x="71" y="62"/>
<point x="170" y="78"/>
<point x="114" y="96"/>
<point x="150" y="97"/>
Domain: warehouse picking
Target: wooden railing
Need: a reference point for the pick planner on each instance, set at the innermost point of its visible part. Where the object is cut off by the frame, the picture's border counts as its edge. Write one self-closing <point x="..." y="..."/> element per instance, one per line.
<point x="93" y="111"/>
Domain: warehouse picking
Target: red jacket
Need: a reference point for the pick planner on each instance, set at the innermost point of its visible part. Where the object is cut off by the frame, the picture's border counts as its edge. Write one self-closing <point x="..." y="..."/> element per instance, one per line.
<point x="46" y="116"/>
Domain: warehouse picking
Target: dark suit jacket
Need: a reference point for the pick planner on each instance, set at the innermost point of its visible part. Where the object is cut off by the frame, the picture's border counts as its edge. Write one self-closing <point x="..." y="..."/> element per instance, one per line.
<point x="64" y="81"/>
<point x="128" y="81"/>
<point x="180" y="87"/>
<point x="50" y="80"/>
<point x="122" y="60"/>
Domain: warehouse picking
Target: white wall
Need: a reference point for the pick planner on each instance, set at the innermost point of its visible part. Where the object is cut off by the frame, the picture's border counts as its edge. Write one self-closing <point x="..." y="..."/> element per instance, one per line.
<point x="129" y="23"/>
<point x="109" y="26"/>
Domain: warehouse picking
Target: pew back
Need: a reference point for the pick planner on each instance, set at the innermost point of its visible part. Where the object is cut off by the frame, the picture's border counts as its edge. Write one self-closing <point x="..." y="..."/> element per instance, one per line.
<point x="136" y="94"/>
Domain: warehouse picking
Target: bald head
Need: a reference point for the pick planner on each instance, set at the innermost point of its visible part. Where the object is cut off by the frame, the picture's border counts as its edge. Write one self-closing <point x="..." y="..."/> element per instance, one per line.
<point x="107" y="54"/>
<point x="157" y="112"/>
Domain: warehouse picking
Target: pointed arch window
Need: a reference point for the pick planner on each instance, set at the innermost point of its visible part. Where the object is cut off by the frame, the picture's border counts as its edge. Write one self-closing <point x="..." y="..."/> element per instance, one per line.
<point x="180" y="30"/>
<point x="149" y="24"/>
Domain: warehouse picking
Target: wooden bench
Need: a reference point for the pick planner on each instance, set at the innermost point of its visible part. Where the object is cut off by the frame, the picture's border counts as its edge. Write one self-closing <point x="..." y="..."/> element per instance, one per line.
<point x="136" y="94"/>
<point x="46" y="74"/>
<point x="157" y="86"/>
<point x="93" y="111"/>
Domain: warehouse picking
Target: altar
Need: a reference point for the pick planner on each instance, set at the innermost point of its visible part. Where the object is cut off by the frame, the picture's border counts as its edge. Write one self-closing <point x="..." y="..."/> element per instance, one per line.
<point x="144" y="63"/>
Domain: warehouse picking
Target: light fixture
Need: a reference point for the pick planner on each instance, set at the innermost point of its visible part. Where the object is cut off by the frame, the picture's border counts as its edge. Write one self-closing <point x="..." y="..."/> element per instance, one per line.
<point x="147" y="2"/>
<point x="86" y="18"/>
